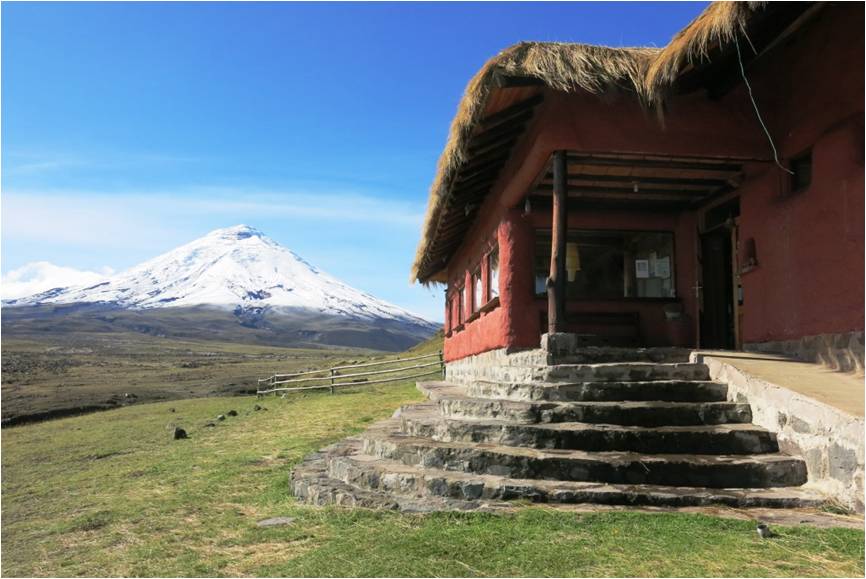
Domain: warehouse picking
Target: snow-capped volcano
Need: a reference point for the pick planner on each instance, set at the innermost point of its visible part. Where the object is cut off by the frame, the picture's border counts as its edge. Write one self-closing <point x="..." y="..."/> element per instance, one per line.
<point x="236" y="268"/>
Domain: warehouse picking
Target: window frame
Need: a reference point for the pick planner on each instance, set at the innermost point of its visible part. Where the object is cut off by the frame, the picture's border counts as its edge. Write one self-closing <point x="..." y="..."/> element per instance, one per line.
<point x="674" y="273"/>
<point x="488" y="293"/>
<point x="805" y="155"/>
<point x="476" y="298"/>
<point x="461" y="305"/>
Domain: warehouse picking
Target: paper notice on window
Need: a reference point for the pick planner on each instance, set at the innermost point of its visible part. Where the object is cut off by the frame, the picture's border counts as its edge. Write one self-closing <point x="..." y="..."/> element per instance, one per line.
<point x="641" y="268"/>
<point x="663" y="267"/>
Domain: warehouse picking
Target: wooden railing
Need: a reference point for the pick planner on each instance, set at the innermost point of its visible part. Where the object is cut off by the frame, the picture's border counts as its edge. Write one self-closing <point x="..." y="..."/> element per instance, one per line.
<point x="335" y="377"/>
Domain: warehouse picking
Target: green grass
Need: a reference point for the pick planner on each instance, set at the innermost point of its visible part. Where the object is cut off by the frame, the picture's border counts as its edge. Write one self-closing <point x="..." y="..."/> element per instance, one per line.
<point x="111" y="494"/>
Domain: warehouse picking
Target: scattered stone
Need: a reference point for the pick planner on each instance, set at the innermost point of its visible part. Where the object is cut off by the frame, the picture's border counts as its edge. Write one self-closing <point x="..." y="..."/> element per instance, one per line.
<point x="179" y="433"/>
<point x="129" y="395"/>
<point x="764" y="531"/>
<point x="209" y="424"/>
<point x="171" y="409"/>
<point x="256" y="408"/>
<point x="232" y="412"/>
<point x="221" y="417"/>
<point x="276" y="522"/>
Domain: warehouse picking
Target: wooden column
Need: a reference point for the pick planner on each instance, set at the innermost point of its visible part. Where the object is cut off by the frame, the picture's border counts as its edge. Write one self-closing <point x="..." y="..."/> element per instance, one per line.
<point x="556" y="281"/>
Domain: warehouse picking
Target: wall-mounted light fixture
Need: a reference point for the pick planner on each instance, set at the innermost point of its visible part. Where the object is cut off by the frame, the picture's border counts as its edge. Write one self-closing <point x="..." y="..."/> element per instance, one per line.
<point x="749" y="256"/>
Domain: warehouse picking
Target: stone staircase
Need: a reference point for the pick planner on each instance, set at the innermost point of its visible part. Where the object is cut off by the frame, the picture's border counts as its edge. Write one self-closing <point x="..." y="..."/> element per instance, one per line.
<point x="628" y="433"/>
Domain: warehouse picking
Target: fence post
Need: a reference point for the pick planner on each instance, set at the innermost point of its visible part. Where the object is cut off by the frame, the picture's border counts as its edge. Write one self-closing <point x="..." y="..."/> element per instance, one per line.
<point x="441" y="364"/>
<point x="332" y="380"/>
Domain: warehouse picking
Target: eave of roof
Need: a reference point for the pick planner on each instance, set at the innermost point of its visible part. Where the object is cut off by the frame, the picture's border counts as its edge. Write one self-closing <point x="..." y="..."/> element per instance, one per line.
<point x="650" y="74"/>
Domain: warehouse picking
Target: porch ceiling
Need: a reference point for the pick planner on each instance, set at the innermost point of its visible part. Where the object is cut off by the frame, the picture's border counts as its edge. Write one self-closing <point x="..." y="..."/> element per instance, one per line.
<point x="643" y="181"/>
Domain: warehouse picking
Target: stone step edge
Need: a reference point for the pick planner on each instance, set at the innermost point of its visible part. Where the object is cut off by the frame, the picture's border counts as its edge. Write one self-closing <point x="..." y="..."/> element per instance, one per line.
<point x="388" y="432"/>
<point x="612" y="391"/>
<point x="402" y="479"/>
<point x="681" y="382"/>
<point x="310" y="483"/>
<point x="427" y="419"/>
<point x="451" y="392"/>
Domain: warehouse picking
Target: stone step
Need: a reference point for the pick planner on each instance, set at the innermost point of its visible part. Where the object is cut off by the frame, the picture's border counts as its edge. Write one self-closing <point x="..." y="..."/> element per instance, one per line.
<point x="574" y="350"/>
<point x="375" y="474"/>
<point x="714" y="471"/>
<point x="645" y="391"/>
<point x="622" y="413"/>
<point x="312" y="484"/>
<point x="699" y="439"/>
<point x="624" y="372"/>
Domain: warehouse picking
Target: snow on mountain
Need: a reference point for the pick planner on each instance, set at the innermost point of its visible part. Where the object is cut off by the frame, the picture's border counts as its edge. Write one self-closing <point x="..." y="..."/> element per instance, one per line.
<point x="39" y="276"/>
<point x="235" y="267"/>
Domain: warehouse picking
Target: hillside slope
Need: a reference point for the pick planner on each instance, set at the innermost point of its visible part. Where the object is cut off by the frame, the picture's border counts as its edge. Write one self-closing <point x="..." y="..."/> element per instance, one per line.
<point x="111" y="494"/>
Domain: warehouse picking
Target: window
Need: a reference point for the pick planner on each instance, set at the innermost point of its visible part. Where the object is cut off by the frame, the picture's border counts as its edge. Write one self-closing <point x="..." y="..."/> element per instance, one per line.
<point x="493" y="275"/>
<point x="611" y="264"/>
<point x="801" y="168"/>
<point x="477" y="294"/>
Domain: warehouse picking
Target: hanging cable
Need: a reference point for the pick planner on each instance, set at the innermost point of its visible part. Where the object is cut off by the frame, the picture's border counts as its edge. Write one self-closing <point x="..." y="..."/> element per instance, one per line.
<point x="755" y="105"/>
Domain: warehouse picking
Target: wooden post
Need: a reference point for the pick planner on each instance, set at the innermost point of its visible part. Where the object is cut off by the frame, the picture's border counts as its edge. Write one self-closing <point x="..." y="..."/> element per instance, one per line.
<point x="332" y="380"/>
<point x="441" y="362"/>
<point x="556" y="281"/>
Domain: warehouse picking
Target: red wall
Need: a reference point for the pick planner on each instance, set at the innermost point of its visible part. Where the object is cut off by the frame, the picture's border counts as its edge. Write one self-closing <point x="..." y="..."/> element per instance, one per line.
<point x="810" y="245"/>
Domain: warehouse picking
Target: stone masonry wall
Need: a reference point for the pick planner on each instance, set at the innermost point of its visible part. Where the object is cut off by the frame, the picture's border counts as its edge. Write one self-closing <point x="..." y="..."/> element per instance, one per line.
<point x="828" y="439"/>
<point x="496" y="365"/>
<point x="842" y="352"/>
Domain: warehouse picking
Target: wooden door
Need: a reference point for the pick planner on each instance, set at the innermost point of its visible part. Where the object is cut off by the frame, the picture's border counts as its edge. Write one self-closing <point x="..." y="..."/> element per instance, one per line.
<point x="717" y="306"/>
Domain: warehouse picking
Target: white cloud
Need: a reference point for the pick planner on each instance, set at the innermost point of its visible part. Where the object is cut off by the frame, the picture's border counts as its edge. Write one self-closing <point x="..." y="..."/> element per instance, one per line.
<point x="147" y="220"/>
<point x="39" y="276"/>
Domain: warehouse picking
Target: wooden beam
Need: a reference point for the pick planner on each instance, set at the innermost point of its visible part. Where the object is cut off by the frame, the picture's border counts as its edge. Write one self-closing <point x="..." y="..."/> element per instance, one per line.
<point x="543" y="203"/>
<point x="511" y="111"/>
<point x="494" y="157"/>
<point x="628" y="192"/>
<point x="697" y="165"/>
<point x="505" y="131"/>
<point x="506" y="139"/>
<point x="556" y="281"/>
<point x="641" y="180"/>
<point x="487" y="170"/>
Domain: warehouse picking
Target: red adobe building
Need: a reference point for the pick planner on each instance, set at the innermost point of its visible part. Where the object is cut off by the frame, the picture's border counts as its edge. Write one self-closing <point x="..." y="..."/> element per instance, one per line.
<point x="706" y="194"/>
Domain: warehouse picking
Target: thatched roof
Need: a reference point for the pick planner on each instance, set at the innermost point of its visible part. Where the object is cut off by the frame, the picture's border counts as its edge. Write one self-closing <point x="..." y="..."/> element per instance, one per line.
<point x="646" y="72"/>
<point x="718" y="25"/>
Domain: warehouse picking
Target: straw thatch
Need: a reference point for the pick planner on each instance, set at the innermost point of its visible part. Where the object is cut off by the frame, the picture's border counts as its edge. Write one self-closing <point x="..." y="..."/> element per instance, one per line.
<point x="561" y="66"/>
<point x="718" y="25"/>
<point x="647" y="72"/>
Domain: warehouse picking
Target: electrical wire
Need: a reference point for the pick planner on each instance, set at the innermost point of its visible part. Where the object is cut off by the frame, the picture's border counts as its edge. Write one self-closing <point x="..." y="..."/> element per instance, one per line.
<point x="755" y="105"/>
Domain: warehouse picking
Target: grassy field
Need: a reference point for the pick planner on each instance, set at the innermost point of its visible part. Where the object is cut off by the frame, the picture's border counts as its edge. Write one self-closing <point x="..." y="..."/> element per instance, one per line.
<point x="112" y="494"/>
<point x="57" y="372"/>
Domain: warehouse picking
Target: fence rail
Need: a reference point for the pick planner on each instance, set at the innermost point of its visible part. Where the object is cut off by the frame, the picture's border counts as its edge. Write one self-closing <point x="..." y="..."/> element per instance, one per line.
<point x="333" y="377"/>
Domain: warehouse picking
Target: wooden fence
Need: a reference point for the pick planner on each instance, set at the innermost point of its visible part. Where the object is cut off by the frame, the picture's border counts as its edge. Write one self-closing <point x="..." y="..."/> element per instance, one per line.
<point x="336" y="377"/>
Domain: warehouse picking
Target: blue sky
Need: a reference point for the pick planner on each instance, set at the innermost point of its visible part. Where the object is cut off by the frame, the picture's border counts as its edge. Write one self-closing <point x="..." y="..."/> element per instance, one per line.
<point x="130" y="128"/>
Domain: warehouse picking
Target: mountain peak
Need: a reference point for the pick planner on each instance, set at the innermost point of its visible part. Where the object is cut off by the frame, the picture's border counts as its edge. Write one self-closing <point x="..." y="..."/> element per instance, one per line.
<point x="236" y="268"/>
<point x="236" y="232"/>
